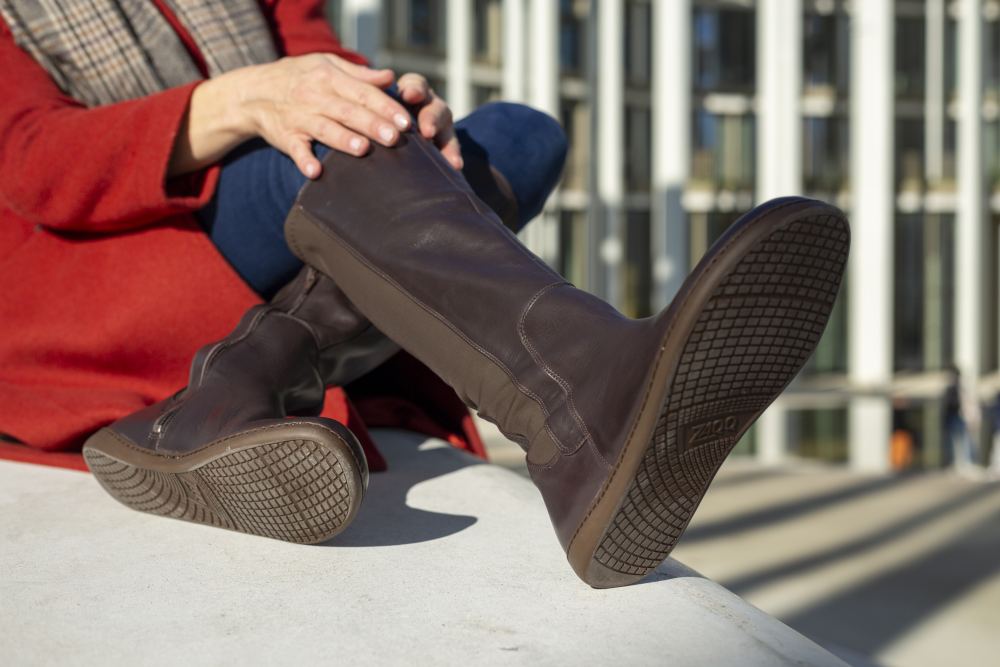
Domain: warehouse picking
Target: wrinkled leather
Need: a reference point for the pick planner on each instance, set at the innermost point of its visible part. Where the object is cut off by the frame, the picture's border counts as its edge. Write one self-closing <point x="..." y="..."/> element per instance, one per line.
<point x="282" y="355"/>
<point x="531" y="352"/>
<point x="277" y="362"/>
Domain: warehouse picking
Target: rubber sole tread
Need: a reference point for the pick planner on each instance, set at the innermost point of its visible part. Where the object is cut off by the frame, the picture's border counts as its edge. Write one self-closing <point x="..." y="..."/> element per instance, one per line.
<point x="757" y="330"/>
<point x="295" y="490"/>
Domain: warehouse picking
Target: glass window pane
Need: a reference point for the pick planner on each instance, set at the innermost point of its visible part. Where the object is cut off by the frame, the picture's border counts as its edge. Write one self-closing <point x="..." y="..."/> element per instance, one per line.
<point x="724" y="50"/>
<point x="825" y="154"/>
<point x="638" y="42"/>
<point x="818" y="434"/>
<point x="572" y="37"/>
<point x="638" y="264"/>
<point x="573" y="246"/>
<point x="911" y="52"/>
<point x="575" y="117"/>
<point x="909" y="153"/>
<point x="923" y="311"/>
<point x="638" y="144"/>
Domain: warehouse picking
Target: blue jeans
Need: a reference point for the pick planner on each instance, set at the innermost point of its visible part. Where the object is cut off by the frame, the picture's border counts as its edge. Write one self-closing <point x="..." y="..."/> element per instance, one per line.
<point x="258" y="186"/>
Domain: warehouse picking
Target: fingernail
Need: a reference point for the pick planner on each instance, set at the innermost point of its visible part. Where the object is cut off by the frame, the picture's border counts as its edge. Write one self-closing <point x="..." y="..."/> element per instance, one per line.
<point x="402" y="121"/>
<point x="459" y="163"/>
<point x="356" y="145"/>
<point x="310" y="170"/>
<point x="387" y="134"/>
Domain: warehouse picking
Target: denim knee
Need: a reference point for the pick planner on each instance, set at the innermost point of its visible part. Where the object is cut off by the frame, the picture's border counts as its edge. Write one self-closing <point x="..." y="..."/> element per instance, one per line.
<point x="527" y="146"/>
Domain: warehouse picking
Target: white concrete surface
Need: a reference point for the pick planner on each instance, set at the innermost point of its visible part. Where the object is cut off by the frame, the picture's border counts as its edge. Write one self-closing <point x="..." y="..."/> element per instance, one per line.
<point x="449" y="562"/>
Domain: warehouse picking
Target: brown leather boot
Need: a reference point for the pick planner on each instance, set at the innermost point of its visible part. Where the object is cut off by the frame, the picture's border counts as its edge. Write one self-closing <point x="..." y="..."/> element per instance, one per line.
<point x="300" y="480"/>
<point x="223" y="453"/>
<point x="625" y="422"/>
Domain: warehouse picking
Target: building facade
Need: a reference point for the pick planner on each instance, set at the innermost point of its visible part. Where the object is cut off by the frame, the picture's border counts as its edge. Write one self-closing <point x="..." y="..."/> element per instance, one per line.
<point x="682" y="114"/>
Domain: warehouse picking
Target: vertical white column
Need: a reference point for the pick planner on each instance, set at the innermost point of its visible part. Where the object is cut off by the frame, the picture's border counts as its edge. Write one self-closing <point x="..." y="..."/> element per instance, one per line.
<point x="543" y="94"/>
<point x="609" y="148"/>
<point x="543" y="34"/>
<point x="359" y="26"/>
<point x="779" y="154"/>
<point x="514" y="88"/>
<point x="459" y="48"/>
<point x="969" y="252"/>
<point x="934" y="102"/>
<point x="671" y="120"/>
<point x="872" y="209"/>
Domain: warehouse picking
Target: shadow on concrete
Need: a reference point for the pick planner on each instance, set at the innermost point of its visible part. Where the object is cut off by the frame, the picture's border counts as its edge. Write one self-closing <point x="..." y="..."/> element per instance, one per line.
<point x="791" y="509"/>
<point x="385" y="519"/>
<point x="898" y="530"/>
<point x="889" y="605"/>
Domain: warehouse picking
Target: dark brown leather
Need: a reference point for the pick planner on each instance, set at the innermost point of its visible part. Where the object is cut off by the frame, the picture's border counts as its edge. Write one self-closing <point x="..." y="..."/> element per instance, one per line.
<point x="277" y="362"/>
<point x="282" y="355"/>
<point x="434" y="268"/>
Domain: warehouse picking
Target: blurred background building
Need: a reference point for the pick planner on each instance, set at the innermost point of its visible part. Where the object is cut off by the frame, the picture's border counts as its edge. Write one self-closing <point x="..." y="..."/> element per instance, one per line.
<point x="682" y="114"/>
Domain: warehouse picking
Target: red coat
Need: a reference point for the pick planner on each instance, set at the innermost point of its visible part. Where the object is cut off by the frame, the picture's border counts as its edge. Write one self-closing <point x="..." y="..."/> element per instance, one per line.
<point x="107" y="284"/>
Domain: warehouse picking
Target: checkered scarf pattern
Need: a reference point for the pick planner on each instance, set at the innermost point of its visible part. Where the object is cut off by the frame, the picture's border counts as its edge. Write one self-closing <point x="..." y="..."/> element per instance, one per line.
<point x="106" y="51"/>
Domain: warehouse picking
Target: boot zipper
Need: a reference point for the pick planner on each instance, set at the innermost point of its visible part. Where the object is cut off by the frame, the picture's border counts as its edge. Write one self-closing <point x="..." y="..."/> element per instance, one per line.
<point x="159" y="428"/>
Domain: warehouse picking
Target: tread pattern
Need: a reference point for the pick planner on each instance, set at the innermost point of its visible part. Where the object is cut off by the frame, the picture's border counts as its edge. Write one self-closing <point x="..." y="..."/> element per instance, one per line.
<point x="754" y="335"/>
<point x="296" y="490"/>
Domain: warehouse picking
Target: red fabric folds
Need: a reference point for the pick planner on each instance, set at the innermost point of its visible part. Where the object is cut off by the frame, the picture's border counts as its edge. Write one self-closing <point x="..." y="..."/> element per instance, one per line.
<point x="107" y="284"/>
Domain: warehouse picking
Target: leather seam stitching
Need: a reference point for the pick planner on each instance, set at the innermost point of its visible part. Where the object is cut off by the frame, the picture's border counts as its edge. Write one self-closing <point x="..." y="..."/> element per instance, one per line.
<point x="537" y="357"/>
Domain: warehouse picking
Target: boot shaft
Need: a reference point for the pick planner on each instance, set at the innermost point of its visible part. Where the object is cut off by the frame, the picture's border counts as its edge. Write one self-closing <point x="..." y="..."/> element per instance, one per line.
<point x="478" y="307"/>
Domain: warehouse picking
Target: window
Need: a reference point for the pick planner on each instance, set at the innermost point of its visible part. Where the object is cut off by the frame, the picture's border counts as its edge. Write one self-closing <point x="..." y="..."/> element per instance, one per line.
<point x="638" y="146"/>
<point x="574" y="247"/>
<point x="825" y="152"/>
<point x="638" y="43"/>
<point x="575" y="117"/>
<point x="572" y="37"/>
<point x="415" y="25"/>
<point x="723" y="150"/>
<point x="911" y="51"/>
<point x="487" y="21"/>
<point x="924" y="289"/>
<point x="724" y="53"/>
<point x="638" y="264"/>
<point x="825" y="52"/>
<point x="818" y="434"/>
<point x="909" y="153"/>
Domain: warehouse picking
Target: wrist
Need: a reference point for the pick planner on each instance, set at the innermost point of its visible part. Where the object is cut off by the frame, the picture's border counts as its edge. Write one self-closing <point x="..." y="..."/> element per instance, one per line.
<point x="221" y="103"/>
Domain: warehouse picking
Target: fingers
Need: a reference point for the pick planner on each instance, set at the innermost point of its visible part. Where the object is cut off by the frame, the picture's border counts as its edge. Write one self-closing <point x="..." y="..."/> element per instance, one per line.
<point x="376" y="101"/>
<point x="337" y="136"/>
<point x="414" y="89"/>
<point x="299" y="149"/>
<point x="435" y="122"/>
<point x="450" y="148"/>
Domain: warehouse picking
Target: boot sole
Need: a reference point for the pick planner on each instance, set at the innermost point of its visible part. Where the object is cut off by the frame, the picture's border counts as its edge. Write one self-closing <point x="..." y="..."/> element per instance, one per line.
<point x="746" y="321"/>
<point x="297" y="481"/>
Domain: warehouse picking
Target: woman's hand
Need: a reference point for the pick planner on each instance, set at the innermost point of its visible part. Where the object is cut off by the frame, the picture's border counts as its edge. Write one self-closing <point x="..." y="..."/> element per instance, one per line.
<point x="434" y="119"/>
<point x="293" y="101"/>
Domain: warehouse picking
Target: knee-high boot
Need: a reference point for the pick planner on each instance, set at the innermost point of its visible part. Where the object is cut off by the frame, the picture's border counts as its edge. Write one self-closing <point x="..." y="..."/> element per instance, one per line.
<point x="624" y="422"/>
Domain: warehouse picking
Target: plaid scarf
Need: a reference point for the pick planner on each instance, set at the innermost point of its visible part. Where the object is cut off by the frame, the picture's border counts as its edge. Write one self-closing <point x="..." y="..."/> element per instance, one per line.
<point x="105" y="51"/>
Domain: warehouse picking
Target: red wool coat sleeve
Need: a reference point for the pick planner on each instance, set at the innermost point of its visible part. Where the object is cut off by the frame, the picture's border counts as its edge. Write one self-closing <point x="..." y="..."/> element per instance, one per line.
<point x="72" y="168"/>
<point x="107" y="284"/>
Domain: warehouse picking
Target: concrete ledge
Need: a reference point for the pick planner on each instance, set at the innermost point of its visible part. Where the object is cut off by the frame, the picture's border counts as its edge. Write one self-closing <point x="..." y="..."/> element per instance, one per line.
<point x="451" y="561"/>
